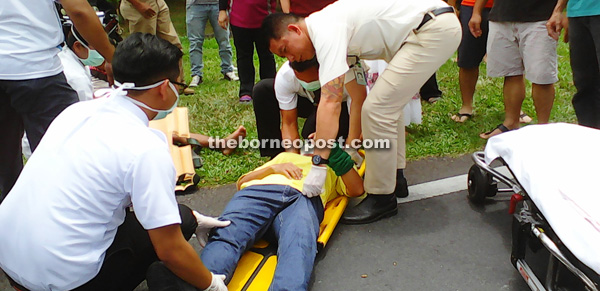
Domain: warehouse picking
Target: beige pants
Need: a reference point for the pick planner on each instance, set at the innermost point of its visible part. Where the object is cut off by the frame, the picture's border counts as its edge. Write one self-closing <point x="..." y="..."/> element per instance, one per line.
<point x="422" y="54"/>
<point x="160" y="24"/>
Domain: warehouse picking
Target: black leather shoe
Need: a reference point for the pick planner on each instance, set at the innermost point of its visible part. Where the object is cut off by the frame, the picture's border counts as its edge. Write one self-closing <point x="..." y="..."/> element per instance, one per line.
<point x="401" y="190"/>
<point x="371" y="209"/>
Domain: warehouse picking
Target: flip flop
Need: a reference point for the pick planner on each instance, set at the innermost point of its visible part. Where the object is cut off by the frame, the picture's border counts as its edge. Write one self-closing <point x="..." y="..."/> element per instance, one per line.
<point x="500" y="127"/>
<point x="460" y="116"/>
<point x="523" y="117"/>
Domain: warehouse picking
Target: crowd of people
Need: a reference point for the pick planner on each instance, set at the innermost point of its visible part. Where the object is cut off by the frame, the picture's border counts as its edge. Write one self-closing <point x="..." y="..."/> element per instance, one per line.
<point x="98" y="185"/>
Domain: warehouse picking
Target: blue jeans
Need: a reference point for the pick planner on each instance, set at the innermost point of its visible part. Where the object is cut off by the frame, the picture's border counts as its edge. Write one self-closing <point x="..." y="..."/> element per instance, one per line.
<point x="196" y="17"/>
<point x="294" y="220"/>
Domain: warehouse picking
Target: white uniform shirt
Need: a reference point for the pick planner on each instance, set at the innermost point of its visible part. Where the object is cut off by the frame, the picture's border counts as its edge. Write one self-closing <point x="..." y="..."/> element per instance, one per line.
<point x="78" y="75"/>
<point x="288" y="88"/>
<point x="368" y="29"/>
<point x="30" y="33"/>
<point x="96" y="158"/>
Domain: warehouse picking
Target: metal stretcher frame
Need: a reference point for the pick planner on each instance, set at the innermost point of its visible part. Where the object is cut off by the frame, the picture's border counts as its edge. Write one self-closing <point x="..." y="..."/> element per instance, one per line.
<point x="256" y="267"/>
<point x="527" y="223"/>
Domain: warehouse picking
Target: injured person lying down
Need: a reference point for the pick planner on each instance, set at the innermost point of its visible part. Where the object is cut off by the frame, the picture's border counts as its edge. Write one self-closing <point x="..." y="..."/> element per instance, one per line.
<point x="270" y="201"/>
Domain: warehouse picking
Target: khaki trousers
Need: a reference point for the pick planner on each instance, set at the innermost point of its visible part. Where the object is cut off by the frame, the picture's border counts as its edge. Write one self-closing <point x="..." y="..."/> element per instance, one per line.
<point x="160" y="24"/>
<point x="421" y="55"/>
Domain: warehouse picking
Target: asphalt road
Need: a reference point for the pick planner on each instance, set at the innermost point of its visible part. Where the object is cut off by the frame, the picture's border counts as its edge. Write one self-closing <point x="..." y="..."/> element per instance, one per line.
<point x="438" y="243"/>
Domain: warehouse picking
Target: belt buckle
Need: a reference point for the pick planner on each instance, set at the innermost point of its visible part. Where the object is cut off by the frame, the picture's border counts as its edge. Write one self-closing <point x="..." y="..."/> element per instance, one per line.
<point x="432" y="15"/>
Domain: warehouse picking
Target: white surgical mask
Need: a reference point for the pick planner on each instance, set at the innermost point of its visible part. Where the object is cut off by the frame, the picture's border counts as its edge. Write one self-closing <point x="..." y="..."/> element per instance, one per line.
<point x="162" y="113"/>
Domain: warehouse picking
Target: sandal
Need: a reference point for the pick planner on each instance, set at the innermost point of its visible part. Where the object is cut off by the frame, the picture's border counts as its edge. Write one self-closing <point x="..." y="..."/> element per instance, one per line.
<point x="500" y="127"/>
<point x="458" y="117"/>
<point x="524" y="118"/>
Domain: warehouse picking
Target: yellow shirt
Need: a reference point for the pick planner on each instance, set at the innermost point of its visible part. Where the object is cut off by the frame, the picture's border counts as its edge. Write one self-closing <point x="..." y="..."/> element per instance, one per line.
<point x="334" y="185"/>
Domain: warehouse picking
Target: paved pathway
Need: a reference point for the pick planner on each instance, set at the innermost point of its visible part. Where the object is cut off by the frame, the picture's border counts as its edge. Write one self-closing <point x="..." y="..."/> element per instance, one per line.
<point x="438" y="241"/>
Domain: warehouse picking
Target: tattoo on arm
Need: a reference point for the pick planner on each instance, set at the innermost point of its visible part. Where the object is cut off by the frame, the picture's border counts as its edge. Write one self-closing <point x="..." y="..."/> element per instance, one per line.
<point x="333" y="88"/>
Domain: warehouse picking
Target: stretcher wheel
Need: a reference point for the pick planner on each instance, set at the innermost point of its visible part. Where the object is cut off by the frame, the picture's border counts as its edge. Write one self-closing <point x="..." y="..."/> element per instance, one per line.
<point x="481" y="185"/>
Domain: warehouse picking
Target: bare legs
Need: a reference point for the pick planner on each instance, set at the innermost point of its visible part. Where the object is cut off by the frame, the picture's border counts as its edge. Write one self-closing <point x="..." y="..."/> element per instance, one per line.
<point x="514" y="94"/>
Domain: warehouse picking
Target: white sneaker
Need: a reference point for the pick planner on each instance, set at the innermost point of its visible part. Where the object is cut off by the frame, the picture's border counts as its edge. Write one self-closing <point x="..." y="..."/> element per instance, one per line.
<point x="195" y="81"/>
<point x="231" y="76"/>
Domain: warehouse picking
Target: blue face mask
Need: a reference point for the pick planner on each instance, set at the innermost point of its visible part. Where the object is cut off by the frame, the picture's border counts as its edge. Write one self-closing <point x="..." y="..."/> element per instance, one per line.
<point x="161" y="112"/>
<point x="94" y="58"/>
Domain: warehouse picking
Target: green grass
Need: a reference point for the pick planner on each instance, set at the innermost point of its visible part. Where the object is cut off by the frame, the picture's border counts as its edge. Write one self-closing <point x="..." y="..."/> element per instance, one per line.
<point x="214" y="110"/>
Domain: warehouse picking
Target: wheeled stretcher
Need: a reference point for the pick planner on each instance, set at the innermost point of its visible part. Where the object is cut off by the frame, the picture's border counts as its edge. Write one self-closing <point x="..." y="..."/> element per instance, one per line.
<point x="256" y="267"/>
<point x="556" y="201"/>
<point x="186" y="158"/>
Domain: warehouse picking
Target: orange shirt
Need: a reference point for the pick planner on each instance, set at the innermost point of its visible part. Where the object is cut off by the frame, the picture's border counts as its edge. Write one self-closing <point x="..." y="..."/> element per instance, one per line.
<point x="472" y="3"/>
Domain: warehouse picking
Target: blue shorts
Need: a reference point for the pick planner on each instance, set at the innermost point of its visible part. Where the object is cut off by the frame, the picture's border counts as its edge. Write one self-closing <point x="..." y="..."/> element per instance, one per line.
<point x="471" y="50"/>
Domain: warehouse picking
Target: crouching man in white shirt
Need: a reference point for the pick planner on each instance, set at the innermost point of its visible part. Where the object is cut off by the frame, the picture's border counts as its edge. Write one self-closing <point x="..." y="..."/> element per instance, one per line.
<point x="67" y="223"/>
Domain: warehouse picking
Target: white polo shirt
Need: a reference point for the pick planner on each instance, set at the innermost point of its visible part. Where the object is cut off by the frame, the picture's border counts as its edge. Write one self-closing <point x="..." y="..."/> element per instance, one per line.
<point x="96" y="158"/>
<point x="368" y="29"/>
<point x="30" y="33"/>
<point x="287" y="88"/>
<point x="78" y="75"/>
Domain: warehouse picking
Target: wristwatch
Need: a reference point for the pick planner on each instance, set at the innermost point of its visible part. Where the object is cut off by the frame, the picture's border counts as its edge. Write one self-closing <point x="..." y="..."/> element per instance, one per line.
<point x="318" y="160"/>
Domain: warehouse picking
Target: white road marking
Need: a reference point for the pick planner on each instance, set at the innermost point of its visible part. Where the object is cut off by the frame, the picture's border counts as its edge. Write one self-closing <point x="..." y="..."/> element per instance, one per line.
<point x="441" y="187"/>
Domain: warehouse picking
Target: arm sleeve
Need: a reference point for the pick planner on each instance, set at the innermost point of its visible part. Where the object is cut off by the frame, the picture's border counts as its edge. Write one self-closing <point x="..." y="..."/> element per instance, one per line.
<point x="286" y="88"/>
<point x="152" y="191"/>
<point x="223" y="4"/>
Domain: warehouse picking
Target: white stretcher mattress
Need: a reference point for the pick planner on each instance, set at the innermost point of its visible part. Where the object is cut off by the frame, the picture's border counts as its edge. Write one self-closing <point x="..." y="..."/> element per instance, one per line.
<point x="558" y="166"/>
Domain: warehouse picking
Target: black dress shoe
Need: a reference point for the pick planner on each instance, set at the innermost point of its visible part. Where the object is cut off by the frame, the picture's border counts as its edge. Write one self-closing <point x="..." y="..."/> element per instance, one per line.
<point x="371" y="209"/>
<point x="401" y="190"/>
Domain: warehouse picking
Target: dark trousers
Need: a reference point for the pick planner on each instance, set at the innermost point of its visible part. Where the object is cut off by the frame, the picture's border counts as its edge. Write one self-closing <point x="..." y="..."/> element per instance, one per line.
<point x="430" y="89"/>
<point x="129" y="256"/>
<point x="245" y="40"/>
<point x="268" y="117"/>
<point x="584" y="43"/>
<point x="27" y="106"/>
<point x="131" y="253"/>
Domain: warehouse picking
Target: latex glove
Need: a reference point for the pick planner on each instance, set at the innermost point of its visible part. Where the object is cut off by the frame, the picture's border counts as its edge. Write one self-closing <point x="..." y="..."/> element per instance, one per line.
<point x="313" y="185"/>
<point x="356" y="157"/>
<point x="205" y="224"/>
<point x="217" y="283"/>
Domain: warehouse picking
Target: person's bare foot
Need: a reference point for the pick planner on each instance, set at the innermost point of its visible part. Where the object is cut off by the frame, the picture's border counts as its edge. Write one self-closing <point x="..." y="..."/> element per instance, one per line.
<point x="501" y="128"/>
<point x="524" y="118"/>
<point x="461" y="117"/>
<point x="238" y="135"/>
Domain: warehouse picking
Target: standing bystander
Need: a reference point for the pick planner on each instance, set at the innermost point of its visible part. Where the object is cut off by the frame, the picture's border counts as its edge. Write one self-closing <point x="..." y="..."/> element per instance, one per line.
<point x="33" y="88"/>
<point x="519" y="46"/>
<point x="197" y="13"/>
<point x="245" y="17"/>
<point x="583" y="34"/>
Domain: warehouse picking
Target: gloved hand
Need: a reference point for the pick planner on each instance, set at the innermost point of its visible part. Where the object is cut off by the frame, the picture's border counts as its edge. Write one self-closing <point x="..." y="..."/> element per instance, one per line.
<point x="313" y="185"/>
<point x="356" y="157"/>
<point x="217" y="283"/>
<point x="205" y="224"/>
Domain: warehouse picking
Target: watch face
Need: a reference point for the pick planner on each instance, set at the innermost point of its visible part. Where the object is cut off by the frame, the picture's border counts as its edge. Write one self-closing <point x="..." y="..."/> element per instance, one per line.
<point x="316" y="160"/>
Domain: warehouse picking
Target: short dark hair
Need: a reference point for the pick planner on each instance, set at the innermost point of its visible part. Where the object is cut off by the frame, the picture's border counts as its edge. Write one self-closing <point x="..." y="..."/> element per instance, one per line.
<point x="275" y="25"/>
<point x="72" y="38"/>
<point x="305" y="65"/>
<point x="144" y="59"/>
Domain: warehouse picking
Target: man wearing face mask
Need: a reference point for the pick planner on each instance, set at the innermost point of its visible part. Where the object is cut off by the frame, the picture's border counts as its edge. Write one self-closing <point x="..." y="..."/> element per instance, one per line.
<point x="99" y="190"/>
<point x="76" y="57"/>
<point x="295" y="92"/>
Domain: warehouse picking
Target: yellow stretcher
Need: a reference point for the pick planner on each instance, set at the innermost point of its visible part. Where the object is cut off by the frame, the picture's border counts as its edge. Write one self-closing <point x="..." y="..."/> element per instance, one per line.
<point x="256" y="268"/>
<point x="185" y="159"/>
